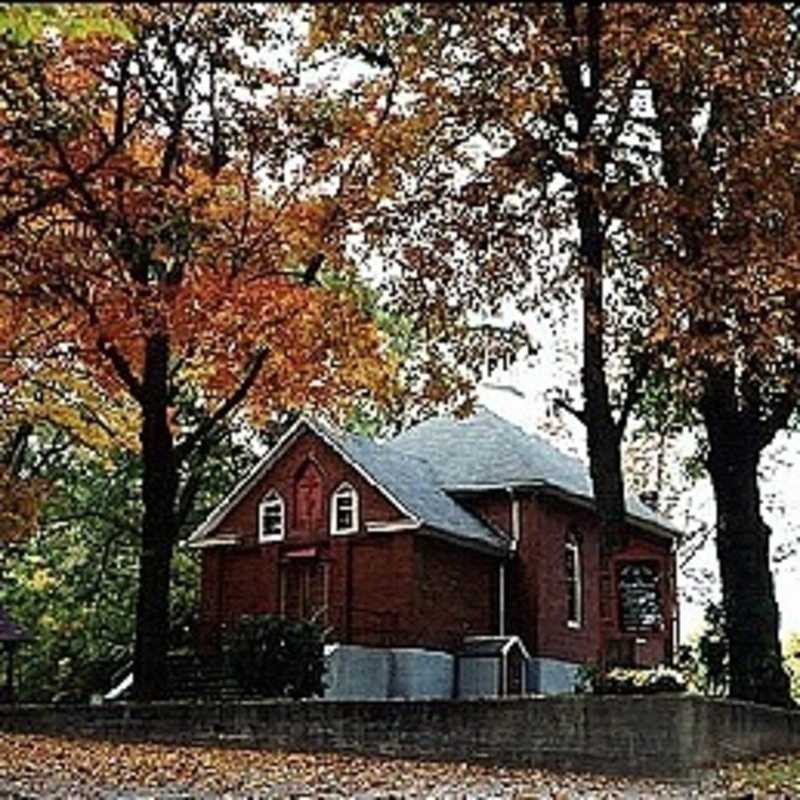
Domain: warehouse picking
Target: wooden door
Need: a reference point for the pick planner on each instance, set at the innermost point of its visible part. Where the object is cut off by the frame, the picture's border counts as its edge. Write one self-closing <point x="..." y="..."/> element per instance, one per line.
<point x="304" y="589"/>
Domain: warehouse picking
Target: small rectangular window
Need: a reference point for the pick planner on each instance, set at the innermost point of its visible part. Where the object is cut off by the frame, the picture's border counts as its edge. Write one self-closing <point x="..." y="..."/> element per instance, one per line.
<point x="572" y="569"/>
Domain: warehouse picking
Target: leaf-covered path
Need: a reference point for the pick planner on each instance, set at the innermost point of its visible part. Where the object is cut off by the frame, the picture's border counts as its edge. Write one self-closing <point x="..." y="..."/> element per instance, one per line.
<point x="39" y="766"/>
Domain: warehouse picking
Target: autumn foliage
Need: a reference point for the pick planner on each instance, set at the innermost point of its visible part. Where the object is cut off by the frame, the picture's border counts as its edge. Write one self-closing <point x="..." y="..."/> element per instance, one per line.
<point x="190" y="199"/>
<point x="640" y="159"/>
<point x="167" y="224"/>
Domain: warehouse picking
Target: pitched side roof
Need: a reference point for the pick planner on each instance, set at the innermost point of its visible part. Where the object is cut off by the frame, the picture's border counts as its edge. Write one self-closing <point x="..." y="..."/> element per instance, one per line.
<point x="485" y="450"/>
<point x="406" y="481"/>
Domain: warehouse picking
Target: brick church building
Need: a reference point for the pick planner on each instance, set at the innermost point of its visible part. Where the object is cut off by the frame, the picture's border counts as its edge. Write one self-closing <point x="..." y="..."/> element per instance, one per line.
<point x="449" y="541"/>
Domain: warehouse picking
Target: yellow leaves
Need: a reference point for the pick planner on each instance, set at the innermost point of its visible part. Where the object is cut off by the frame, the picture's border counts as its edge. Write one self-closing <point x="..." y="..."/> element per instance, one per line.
<point x="48" y="622"/>
<point x="72" y="400"/>
<point x="40" y="581"/>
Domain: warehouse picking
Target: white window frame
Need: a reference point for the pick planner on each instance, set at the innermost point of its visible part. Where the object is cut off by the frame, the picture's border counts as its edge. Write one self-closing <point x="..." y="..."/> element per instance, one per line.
<point x="340" y="490"/>
<point x="272" y="498"/>
<point x="576" y="583"/>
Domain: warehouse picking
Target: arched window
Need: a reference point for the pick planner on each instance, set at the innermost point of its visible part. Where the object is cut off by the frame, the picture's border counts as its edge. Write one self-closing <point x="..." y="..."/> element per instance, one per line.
<point x="344" y="510"/>
<point x="573" y="580"/>
<point x="271" y="517"/>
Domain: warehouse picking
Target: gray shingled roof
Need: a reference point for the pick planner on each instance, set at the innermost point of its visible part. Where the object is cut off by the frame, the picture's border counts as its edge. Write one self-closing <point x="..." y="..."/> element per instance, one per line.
<point x="418" y="468"/>
<point x="412" y="482"/>
<point x="485" y="450"/>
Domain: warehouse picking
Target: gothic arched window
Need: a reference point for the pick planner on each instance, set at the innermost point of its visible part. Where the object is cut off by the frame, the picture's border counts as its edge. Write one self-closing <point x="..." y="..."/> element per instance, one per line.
<point x="271" y="517"/>
<point x="344" y="510"/>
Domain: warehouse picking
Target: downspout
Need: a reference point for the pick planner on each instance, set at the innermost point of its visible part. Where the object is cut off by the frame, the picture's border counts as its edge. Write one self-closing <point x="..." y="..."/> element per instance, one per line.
<point x="501" y="577"/>
<point x="501" y="599"/>
<point x="516" y="522"/>
<point x="675" y="609"/>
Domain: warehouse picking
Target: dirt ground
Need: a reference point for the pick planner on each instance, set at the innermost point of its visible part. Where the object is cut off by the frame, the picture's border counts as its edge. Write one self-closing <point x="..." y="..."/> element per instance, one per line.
<point x="49" y="767"/>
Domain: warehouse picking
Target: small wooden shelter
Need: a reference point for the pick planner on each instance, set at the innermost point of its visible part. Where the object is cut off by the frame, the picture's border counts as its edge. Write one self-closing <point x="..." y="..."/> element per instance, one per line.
<point x="11" y="636"/>
<point x="492" y="666"/>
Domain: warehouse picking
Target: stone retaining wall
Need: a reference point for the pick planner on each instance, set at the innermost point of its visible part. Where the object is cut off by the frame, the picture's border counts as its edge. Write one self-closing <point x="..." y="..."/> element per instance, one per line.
<point x="658" y="736"/>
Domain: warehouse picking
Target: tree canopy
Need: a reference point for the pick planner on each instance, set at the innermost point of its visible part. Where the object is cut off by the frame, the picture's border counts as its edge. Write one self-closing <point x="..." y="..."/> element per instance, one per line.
<point x="642" y="158"/>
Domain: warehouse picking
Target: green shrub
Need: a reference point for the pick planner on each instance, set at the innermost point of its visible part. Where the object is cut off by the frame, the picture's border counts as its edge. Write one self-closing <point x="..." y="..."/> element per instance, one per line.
<point x="276" y="657"/>
<point x="705" y="662"/>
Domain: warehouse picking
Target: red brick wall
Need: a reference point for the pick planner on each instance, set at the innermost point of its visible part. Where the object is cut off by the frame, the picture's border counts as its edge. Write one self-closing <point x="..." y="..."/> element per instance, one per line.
<point x="493" y="507"/>
<point x="397" y="588"/>
<point x="379" y="607"/>
<point x="243" y="519"/>
<point x="544" y="530"/>
<point x="455" y="593"/>
<point x="537" y="591"/>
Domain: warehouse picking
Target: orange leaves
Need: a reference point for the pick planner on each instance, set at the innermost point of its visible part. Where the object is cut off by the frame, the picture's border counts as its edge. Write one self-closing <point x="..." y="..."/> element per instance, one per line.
<point x="321" y="348"/>
<point x="194" y="210"/>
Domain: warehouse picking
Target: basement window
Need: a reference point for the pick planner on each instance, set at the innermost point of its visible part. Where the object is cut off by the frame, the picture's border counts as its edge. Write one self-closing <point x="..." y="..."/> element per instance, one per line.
<point x="344" y="510"/>
<point x="271" y="517"/>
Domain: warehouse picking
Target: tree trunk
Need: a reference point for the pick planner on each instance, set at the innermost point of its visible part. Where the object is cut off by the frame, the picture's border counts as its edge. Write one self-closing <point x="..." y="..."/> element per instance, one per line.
<point x="751" y="612"/>
<point x="603" y="432"/>
<point x="159" y="525"/>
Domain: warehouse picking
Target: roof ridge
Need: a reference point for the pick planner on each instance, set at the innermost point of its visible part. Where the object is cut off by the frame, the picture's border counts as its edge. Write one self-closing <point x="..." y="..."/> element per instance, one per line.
<point x="383" y="445"/>
<point x="538" y="440"/>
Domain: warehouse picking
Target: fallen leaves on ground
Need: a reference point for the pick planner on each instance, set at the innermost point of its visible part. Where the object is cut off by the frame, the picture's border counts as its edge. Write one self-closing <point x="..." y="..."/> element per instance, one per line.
<point x="34" y="766"/>
<point x="774" y="776"/>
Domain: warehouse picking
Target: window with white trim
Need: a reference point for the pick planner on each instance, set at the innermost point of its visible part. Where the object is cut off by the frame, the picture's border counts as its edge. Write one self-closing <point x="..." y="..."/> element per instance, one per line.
<point x="574" y="580"/>
<point x="344" y="510"/>
<point x="271" y="517"/>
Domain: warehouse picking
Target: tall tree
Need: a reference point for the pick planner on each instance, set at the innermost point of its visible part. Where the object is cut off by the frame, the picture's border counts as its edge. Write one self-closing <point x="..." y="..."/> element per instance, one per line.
<point x="536" y="160"/>
<point x="74" y="582"/>
<point x="724" y="276"/>
<point x="511" y="193"/>
<point x="172" y="214"/>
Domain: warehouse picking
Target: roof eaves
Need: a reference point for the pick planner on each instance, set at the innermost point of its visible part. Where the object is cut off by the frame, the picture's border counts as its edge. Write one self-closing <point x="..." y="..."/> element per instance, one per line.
<point x="394" y="526"/>
<point x="571" y="497"/>
<point x="467" y="488"/>
<point x="214" y="541"/>
<point x="586" y="502"/>
<point x="471" y="543"/>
